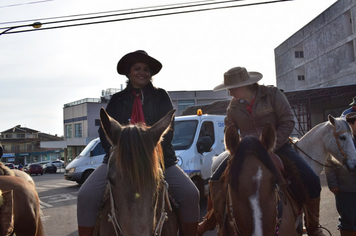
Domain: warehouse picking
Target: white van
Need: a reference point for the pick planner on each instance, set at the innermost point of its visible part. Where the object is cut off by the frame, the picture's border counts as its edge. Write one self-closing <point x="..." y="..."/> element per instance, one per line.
<point x="197" y="139"/>
<point x="87" y="161"/>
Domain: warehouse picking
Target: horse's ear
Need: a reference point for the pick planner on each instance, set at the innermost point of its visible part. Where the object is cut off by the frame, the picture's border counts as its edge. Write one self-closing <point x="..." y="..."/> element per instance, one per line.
<point x="162" y="126"/>
<point x="268" y="137"/>
<point x="111" y="127"/>
<point x="232" y="139"/>
<point x="331" y="119"/>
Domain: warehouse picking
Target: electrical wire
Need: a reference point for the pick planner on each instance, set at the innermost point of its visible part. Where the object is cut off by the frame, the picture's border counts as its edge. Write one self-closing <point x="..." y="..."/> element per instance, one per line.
<point x="144" y="16"/>
<point x="20" y="4"/>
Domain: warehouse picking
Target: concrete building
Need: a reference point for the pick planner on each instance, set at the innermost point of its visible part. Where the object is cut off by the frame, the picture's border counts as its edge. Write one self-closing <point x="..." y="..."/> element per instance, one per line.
<point x="316" y="66"/>
<point x="81" y="118"/>
<point x="22" y="145"/>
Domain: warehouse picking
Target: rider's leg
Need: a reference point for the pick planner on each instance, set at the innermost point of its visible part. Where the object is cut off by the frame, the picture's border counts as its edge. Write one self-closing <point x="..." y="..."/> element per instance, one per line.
<point x="187" y="196"/>
<point x="209" y="222"/>
<point x="89" y="199"/>
<point x="311" y="182"/>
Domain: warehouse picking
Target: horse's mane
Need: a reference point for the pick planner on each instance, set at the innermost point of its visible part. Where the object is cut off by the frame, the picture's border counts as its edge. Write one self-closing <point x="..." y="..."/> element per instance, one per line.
<point x="138" y="158"/>
<point x="250" y="145"/>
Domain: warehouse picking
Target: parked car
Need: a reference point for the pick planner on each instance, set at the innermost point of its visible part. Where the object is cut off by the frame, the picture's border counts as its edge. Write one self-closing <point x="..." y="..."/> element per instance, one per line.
<point x="49" y="168"/>
<point x="58" y="163"/>
<point x="10" y="165"/>
<point x="34" y="169"/>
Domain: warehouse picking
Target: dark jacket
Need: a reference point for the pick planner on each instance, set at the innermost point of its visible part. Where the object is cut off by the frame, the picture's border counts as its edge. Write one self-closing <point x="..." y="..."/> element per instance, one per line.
<point x="272" y="106"/>
<point x="156" y="104"/>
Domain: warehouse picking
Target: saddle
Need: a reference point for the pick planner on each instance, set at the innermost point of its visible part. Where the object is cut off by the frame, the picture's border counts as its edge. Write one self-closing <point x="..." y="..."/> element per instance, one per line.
<point x="6" y="213"/>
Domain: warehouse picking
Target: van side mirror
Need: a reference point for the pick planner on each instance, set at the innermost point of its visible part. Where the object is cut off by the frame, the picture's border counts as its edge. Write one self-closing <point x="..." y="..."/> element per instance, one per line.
<point x="205" y="144"/>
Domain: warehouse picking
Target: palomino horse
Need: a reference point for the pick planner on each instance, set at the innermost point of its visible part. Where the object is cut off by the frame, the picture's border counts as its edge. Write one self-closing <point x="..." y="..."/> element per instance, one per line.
<point x="134" y="179"/>
<point x="257" y="200"/>
<point x="22" y="200"/>
<point x="332" y="138"/>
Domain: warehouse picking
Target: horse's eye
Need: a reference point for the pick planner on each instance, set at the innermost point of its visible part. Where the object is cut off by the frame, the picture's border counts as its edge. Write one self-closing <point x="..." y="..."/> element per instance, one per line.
<point x="343" y="138"/>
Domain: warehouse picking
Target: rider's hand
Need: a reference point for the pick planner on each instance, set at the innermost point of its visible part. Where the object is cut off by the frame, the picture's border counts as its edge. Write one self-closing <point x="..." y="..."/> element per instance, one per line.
<point x="334" y="190"/>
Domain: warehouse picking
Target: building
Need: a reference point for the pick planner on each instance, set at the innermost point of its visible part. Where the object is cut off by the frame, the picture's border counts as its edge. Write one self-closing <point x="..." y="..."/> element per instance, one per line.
<point x="22" y="145"/>
<point x="316" y="66"/>
<point x="81" y="118"/>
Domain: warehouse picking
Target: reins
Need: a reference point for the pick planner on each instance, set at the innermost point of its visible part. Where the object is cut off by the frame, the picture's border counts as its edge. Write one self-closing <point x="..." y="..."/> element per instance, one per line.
<point x="291" y="141"/>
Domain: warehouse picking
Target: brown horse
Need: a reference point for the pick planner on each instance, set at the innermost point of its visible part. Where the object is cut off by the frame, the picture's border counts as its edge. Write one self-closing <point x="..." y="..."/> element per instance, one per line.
<point x="135" y="180"/>
<point x="20" y="212"/>
<point x="257" y="202"/>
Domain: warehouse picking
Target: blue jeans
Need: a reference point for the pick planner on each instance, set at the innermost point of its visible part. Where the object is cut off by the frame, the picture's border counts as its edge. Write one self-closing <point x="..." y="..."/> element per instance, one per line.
<point x="310" y="180"/>
<point x="346" y="207"/>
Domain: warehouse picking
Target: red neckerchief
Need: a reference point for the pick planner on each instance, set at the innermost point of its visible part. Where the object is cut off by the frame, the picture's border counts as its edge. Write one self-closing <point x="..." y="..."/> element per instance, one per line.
<point x="249" y="106"/>
<point x="137" y="112"/>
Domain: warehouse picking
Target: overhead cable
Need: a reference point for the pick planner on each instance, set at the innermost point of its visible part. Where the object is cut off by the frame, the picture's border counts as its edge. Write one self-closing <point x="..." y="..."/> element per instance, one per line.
<point x="143" y="16"/>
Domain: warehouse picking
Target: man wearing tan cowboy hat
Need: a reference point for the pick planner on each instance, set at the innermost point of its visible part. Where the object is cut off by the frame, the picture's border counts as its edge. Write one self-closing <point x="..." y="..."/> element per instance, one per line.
<point x="251" y="107"/>
<point x="351" y="109"/>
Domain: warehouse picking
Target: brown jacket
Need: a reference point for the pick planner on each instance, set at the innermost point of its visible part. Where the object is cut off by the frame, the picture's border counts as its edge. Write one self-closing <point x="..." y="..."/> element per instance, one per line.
<point x="272" y="106"/>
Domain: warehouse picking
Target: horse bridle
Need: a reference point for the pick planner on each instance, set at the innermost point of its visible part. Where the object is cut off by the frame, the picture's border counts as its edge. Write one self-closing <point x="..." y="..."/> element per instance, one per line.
<point x="279" y="210"/>
<point x="338" y="144"/>
<point x="163" y="217"/>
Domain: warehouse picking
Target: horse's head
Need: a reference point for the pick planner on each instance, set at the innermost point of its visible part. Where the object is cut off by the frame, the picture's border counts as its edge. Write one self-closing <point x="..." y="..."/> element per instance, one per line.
<point x="341" y="146"/>
<point x="134" y="170"/>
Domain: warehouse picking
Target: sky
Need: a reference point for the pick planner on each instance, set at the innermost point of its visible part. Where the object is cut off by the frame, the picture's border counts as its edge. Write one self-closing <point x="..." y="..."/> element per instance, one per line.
<point x="42" y="70"/>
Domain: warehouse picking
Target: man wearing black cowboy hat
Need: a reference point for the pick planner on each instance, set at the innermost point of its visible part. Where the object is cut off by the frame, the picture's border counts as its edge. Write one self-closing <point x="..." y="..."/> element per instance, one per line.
<point x="351" y="109"/>
<point x="140" y="102"/>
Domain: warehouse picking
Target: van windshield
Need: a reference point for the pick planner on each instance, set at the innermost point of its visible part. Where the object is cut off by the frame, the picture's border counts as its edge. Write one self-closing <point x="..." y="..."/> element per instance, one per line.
<point x="88" y="148"/>
<point x="184" y="133"/>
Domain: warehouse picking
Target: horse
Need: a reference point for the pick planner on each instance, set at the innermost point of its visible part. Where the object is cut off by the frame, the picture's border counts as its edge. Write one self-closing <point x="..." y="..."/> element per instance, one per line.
<point x="20" y="211"/>
<point x="332" y="138"/>
<point x="135" y="198"/>
<point x="257" y="200"/>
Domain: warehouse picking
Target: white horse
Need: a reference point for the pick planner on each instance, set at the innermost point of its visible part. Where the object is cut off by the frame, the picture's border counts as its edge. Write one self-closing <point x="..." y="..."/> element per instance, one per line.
<point x="332" y="138"/>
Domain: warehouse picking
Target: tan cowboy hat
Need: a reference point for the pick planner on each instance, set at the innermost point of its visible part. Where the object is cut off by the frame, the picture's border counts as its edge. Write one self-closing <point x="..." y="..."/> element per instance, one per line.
<point x="129" y="59"/>
<point x="353" y="103"/>
<point x="238" y="77"/>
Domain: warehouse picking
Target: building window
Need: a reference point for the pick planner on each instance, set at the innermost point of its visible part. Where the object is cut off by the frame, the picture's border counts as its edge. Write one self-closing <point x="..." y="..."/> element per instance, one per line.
<point x="183" y="104"/>
<point x="68" y="131"/>
<point x="97" y="122"/>
<point x="299" y="54"/>
<point x="301" y="77"/>
<point x="20" y="135"/>
<point x="78" y="130"/>
<point x="8" y="136"/>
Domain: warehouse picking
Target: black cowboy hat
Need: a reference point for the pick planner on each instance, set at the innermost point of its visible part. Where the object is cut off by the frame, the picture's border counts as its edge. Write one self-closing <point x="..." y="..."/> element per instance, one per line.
<point x="126" y="62"/>
<point x="353" y="103"/>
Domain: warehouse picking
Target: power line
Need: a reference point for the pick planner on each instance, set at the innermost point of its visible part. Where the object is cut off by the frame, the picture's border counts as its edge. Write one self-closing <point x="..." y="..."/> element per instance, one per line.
<point x="145" y="16"/>
<point x="20" y="4"/>
<point x="104" y="12"/>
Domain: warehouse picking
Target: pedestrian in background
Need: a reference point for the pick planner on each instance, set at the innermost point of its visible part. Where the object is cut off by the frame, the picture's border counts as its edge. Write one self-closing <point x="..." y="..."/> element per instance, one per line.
<point x="343" y="184"/>
<point x="351" y="109"/>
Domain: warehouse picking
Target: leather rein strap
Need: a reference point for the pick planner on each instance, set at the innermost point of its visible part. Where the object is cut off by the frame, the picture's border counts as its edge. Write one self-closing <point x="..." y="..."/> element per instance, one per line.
<point x="279" y="208"/>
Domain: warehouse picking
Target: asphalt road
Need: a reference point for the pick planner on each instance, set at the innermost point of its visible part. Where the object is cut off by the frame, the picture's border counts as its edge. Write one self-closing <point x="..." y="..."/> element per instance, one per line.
<point x="58" y="202"/>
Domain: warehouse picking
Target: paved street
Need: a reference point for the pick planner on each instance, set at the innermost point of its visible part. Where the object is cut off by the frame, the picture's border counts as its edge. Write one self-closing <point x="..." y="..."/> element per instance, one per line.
<point x="58" y="203"/>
